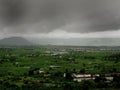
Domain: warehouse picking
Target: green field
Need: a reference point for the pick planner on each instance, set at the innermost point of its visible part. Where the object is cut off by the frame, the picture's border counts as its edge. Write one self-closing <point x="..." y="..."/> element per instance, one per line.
<point x="19" y="68"/>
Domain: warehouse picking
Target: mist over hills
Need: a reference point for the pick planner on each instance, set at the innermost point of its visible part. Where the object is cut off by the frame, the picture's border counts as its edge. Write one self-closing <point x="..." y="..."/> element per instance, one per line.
<point x="79" y="41"/>
<point x="15" y="41"/>
<point x="20" y="41"/>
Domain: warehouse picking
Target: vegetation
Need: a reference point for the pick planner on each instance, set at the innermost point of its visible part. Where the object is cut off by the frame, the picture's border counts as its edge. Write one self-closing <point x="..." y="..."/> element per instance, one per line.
<point x="53" y="68"/>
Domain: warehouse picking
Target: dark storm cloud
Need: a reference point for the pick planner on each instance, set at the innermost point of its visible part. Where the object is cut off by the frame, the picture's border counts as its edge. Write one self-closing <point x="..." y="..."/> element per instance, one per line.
<point x="20" y="16"/>
<point x="11" y="11"/>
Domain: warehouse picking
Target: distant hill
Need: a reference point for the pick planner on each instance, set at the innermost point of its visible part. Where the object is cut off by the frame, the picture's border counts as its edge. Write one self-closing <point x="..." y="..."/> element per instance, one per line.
<point x="15" y="41"/>
<point x="20" y="41"/>
<point x="79" y="41"/>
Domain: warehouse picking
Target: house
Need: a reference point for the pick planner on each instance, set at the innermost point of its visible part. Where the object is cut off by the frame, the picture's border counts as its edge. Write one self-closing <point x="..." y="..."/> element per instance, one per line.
<point x="53" y="67"/>
<point x="81" y="77"/>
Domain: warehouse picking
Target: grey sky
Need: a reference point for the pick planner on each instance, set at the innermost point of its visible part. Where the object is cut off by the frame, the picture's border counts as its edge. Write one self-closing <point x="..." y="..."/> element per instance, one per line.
<point x="44" y="16"/>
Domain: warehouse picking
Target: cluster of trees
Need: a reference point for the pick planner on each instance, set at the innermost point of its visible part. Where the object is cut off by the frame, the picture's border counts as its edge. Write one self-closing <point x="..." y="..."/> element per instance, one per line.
<point x="113" y="57"/>
<point x="5" y="58"/>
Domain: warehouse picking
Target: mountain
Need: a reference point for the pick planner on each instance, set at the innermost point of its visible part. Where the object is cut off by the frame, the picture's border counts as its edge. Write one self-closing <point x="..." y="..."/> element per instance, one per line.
<point x="20" y="41"/>
<point x="15" y="41"/>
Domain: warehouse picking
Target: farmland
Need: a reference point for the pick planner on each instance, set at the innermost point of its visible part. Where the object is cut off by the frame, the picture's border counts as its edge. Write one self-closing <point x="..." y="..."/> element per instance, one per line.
<point x="50" y="67"/>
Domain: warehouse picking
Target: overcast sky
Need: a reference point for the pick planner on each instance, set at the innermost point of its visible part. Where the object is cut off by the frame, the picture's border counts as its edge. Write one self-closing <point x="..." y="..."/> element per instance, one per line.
<point x="60" y="18"/>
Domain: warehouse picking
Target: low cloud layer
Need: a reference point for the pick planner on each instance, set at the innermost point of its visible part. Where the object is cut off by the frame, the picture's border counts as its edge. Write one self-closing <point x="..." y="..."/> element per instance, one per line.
<point x="44" y="16"/>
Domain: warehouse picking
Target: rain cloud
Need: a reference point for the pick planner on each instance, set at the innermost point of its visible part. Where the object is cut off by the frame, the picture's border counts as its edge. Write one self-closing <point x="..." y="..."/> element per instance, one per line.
<point x="44" y="16"/>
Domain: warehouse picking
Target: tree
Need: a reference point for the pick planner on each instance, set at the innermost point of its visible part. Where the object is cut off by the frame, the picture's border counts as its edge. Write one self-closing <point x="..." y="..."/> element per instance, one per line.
<point x="82" y="70"/>
<point x="116" y="81"/>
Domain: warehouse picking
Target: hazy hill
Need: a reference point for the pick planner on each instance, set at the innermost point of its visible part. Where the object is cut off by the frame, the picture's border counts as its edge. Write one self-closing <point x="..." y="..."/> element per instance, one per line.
<point x="72" y="42"/>
<point x="15" y="41"/>
<point x="79" y="41"/>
